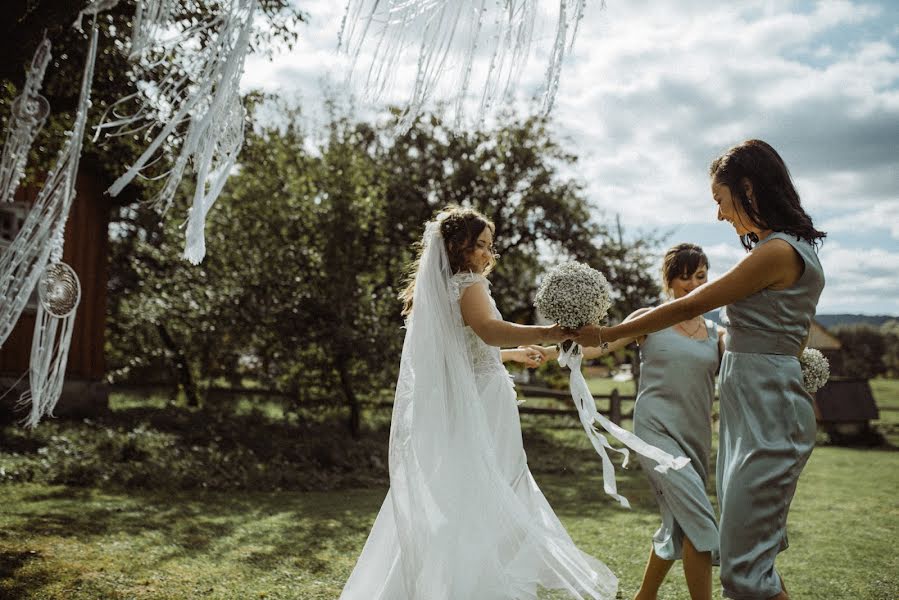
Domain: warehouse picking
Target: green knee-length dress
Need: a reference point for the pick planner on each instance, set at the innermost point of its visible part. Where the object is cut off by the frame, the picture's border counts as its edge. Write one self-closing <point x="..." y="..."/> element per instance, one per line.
<point x="767" y="427"/>
<point x="673" y="412"/>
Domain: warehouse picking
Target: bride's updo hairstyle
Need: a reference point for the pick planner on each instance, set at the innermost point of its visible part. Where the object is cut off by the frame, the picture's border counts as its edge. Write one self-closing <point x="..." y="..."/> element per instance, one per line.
<point x="777" y="205"/>
<point x="682" y="259"/>
<point x="460" y="228"/>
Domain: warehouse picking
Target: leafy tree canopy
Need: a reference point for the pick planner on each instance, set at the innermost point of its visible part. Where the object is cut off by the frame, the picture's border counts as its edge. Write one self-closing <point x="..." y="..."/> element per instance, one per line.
<point x="309" y="246"/>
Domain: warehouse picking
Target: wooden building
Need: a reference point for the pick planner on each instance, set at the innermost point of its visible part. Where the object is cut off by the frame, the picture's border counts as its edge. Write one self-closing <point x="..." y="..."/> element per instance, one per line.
<point x="844" y="407"/>
<point x="821" y="339"/>
<point x="86" y="249"/>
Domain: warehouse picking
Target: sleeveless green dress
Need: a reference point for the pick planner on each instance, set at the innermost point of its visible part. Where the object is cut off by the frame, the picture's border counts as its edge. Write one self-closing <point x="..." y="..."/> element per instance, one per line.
<point x="673" y="412"/>
<point x="767" y="427"/>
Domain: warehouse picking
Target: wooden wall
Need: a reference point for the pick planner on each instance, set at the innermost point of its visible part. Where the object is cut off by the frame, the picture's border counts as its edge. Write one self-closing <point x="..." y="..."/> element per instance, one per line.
<point x="86" y="250"/>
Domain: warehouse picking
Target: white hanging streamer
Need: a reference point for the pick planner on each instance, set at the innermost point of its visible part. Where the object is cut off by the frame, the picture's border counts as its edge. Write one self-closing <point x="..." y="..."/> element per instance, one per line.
<point x="443" y="38"/>
<point x="25" y="263"/>
<point x="194" y="111"/>
<point x="93" y="9"/>
<point x="29" y="113"/>
<point x="586" y="407"/>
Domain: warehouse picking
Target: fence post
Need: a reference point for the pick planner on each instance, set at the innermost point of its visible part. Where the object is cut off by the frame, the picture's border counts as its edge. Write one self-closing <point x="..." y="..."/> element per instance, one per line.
<point x="615" y="407"/>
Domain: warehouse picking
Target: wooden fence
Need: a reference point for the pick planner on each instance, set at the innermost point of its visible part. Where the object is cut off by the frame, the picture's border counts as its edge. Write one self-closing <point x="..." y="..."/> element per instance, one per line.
<point x="614" y="412"/>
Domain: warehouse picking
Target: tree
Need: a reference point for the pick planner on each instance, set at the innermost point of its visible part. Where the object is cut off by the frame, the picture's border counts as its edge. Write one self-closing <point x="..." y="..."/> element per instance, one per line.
<point x="511" y="173"/>
<point x="863" y="350"/>
<point x="23" y="25"/>
<point x="890" y="331"/>
<point x="309" y="249"/>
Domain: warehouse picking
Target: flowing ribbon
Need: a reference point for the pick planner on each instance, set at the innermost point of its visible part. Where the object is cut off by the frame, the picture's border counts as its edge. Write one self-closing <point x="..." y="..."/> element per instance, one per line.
<point x="589" y="416"/>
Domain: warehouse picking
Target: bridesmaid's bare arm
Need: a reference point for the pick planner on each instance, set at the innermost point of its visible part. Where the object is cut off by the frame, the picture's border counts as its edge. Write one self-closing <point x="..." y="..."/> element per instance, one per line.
<point x="771" y="265"/>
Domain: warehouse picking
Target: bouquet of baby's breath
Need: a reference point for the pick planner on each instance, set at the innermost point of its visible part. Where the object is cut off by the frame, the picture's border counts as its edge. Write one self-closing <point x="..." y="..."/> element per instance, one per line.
<point x="815" y="370"/>
<point x="573" y="295"/>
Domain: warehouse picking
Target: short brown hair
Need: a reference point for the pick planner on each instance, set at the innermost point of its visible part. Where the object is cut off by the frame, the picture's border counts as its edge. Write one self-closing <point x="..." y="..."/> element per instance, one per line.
<point x="682" y="259"/>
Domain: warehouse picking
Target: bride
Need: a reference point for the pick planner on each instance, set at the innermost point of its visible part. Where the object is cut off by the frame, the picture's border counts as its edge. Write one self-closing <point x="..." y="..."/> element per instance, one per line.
<point x="464" y="519"/>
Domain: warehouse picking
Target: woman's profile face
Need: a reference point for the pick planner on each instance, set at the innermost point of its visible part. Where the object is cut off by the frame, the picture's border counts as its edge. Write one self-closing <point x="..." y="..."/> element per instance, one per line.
<point x="685" y="283"/>
<point x="481" y="256"/>
<point x="730" y="209"/>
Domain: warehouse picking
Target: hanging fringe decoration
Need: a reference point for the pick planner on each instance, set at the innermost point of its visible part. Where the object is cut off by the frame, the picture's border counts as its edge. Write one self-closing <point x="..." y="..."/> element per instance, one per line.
<point x="59" y="292"/>
<point x="443" y="38"/>
<point x="24" y="264"/>
<point x="193" y="115"/>
<point x="29" y="112"/>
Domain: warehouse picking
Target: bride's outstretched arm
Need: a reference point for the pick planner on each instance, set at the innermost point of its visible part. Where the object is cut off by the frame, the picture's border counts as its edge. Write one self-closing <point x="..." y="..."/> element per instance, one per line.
<point x="478" y="313"/>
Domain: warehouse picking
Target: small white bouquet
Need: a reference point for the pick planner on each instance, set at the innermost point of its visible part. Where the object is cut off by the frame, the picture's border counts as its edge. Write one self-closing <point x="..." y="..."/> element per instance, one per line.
<point x="815" y="370"/>
<point x="573" y="295"/>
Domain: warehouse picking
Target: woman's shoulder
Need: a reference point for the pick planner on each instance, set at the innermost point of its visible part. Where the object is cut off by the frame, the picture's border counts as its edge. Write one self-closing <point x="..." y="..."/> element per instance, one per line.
<point x="469" y="276"/>
<point x="464" y="280"/>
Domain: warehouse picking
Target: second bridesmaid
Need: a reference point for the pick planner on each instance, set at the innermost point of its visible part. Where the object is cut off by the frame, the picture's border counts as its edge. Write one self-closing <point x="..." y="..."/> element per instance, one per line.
<point x="673" y="413"/>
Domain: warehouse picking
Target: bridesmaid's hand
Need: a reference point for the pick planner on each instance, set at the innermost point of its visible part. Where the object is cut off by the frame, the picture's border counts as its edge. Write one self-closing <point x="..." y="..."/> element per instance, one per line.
<point x="530" y="356"/>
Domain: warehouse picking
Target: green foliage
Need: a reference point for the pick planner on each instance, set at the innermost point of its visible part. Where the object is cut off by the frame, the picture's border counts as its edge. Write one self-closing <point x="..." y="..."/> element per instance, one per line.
<point x="183" y="449"/>
<point x="890" y="332"/>
<point x="309" y="245"/>
<point x="863" y="351"/>
<point x="22" y="26"/>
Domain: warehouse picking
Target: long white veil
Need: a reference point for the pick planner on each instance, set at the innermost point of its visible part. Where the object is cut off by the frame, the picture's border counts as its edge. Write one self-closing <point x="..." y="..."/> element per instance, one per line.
<point x="460" y="529"/>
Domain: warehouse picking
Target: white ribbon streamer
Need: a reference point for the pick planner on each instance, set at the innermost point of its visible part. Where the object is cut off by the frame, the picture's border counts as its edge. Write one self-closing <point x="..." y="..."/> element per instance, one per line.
<point x="586" y="408"/>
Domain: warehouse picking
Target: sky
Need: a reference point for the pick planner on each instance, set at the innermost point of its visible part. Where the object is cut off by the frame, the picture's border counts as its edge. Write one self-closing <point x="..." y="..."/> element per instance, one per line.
<point x="654" y="90"/>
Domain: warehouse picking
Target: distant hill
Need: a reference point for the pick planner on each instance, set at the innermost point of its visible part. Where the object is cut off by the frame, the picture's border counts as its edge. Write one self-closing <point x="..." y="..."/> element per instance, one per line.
<point x="875" y="320"/>
<point x="829" y="321"/>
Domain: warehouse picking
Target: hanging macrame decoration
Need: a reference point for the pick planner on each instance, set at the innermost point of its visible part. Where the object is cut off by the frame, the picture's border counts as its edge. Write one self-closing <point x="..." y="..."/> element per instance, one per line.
<point x="34" y="258"/>
<point x="29" y="112"/>
<point x="460" y="48"/>
<point x="59" y="292"/>
<point x="193" y="116"/>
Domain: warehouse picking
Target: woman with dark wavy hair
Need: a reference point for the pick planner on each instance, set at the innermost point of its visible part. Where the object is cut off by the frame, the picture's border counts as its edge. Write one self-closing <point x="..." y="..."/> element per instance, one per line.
<point x="767" y="424"/>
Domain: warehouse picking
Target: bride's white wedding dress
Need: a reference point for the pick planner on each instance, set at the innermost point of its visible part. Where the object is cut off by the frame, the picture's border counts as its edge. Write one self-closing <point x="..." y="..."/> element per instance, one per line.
<point x="463" y="519"/>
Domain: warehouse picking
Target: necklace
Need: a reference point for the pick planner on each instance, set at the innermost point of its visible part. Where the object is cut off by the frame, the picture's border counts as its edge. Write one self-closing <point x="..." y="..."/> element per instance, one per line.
<point x="691" y="334"/>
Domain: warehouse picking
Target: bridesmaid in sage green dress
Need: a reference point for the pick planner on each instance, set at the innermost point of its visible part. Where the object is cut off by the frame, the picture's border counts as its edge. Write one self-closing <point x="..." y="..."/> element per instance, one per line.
<point x="767" y="426"/>
<point x="673" y="412"/>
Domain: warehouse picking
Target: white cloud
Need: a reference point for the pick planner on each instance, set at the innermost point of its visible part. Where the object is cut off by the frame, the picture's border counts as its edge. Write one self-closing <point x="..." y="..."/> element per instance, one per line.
<point x="655" y="90"/>
<point x="878" y="215"/>
<point x="859" y="280"/>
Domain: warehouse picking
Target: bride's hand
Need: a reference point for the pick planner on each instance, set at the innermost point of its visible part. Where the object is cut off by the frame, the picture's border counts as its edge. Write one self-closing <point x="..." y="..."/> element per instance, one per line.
<point x="592" y="336"/>
<point x="555" y="334"/>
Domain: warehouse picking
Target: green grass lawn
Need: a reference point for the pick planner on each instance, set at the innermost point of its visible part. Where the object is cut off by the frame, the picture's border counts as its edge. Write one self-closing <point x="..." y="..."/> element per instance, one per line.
<point x="72" y="543"/>
<point x="145" y="542"/>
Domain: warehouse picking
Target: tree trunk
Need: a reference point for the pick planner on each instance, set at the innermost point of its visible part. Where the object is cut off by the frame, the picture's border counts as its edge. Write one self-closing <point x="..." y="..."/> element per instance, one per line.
<point x="182" y="368"/>
<point x="355" y="421"/>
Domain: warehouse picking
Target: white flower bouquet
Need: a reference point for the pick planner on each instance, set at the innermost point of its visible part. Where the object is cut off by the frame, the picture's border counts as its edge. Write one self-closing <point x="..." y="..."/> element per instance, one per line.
<point x="815" y="370"/>
<point x="573" y="295"/>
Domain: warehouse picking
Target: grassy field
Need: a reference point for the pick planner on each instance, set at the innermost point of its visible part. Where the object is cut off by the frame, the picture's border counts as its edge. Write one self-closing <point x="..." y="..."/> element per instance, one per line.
<point x="106" y="542"/>
<point x="74" y="544"/>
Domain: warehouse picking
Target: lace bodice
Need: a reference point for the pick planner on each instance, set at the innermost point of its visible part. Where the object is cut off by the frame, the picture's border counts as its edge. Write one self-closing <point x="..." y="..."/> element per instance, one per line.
<point x="484" y="359"/>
